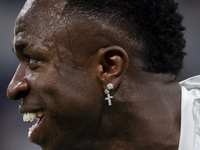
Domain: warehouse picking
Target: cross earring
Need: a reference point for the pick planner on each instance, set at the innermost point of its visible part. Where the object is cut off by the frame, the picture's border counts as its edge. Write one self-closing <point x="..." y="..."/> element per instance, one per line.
<point x="110" y="86"/>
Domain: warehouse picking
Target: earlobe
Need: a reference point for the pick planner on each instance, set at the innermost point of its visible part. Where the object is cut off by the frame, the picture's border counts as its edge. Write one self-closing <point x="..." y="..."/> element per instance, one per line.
<point x="114" y="63"/>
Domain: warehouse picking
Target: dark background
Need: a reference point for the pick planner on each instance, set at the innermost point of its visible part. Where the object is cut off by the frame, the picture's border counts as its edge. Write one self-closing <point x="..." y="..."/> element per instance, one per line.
<point x="13" y="131"/>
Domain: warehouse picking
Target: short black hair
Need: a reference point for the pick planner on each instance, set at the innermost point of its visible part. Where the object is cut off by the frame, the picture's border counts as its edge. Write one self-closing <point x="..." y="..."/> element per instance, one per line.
<point x="158" y="26"/>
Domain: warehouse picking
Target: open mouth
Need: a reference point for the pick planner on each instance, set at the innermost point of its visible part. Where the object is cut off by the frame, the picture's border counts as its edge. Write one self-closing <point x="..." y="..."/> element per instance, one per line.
<point x="30" y="117"/>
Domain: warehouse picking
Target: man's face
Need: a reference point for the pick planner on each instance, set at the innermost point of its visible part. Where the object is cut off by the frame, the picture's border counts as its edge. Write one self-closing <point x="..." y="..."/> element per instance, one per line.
<point x="54" y="77"/>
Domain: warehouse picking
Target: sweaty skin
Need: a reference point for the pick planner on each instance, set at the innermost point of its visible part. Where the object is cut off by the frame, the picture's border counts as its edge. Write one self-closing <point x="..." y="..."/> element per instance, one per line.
<point x="65" y="65"/>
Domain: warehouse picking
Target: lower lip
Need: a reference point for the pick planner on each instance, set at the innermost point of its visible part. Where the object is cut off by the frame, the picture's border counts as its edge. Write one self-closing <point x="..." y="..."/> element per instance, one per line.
<point x="34" y="135"/>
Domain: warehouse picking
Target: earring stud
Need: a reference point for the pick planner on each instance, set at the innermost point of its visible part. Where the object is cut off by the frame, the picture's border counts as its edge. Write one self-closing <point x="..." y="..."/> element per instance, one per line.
<point x="110" y="86"/>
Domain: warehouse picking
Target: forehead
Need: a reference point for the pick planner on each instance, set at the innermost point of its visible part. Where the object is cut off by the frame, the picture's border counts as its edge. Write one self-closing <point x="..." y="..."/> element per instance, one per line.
<point x="40" y="14"/>
<point x="46" y="20"/>
<point x="44" y="23"/>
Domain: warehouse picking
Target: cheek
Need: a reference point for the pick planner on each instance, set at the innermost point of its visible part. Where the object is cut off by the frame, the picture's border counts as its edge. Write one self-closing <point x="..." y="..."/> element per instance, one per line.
<point x="73" y="95"/>
<point x="71" y="103"/>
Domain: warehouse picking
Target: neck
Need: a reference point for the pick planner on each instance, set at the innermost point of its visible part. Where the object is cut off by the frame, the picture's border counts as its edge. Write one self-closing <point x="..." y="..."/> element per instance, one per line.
<point x="144" y="115"/>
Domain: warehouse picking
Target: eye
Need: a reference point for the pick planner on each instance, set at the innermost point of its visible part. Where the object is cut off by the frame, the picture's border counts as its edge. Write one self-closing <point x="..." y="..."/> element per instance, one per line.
<point x="32" y="62"/>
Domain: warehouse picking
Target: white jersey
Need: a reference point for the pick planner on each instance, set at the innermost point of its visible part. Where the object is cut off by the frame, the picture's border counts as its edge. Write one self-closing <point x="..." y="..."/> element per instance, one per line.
<point x="190" y="114"/>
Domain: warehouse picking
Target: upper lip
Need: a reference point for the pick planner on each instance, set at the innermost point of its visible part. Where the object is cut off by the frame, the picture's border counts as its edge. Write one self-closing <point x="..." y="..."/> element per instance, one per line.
<point x="30" y="109"/>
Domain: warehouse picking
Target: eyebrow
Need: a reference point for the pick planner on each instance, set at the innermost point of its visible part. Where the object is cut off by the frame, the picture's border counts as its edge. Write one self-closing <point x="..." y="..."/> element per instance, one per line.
<point x="19" y="47"/>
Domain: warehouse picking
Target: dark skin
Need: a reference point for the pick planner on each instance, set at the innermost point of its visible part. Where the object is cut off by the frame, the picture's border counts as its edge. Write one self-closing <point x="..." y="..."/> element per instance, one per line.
<point x="65" y="65"/>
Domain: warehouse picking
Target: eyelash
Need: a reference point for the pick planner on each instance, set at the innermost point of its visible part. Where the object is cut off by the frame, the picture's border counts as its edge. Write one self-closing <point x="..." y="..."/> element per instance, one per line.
<point x="31" y="61"/>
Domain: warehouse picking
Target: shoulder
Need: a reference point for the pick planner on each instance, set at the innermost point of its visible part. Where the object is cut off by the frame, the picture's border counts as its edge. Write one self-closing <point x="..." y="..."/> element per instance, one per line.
<point x="190" y="114"/>
<point x="191" y="83"/>
<point x="190" y="90"/>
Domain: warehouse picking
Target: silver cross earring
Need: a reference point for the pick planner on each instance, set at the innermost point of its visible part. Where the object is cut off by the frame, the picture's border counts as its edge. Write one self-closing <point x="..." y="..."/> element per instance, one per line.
<point x="110" y="86"/>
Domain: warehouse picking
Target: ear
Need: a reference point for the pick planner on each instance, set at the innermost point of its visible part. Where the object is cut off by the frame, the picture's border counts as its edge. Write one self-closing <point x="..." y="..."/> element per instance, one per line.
<point x="113" y="65"/>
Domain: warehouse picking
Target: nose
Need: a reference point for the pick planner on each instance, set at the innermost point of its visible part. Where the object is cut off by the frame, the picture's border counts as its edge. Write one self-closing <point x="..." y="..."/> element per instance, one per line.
<point x="18" y="87"/>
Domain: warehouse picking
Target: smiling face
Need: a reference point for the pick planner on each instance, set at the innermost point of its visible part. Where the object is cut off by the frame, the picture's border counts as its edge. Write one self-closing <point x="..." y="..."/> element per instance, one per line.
<point x="55" y="78"/>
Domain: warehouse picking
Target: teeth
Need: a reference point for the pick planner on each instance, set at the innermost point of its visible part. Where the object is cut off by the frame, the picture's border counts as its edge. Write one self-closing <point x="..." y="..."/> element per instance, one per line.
<point x="40" y="114"/>
<point x="25" y="117"/>
<point x="31" y="116"/>
<point x="33" y="127"/>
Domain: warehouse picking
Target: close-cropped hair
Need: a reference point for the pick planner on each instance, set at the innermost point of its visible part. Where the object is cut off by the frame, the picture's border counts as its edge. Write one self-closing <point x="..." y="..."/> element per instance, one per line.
<point x="154" y="22"/>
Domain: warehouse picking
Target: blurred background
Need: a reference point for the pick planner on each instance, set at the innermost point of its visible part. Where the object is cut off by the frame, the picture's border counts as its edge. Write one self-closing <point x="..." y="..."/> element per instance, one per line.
<point x="13" y="131"/>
